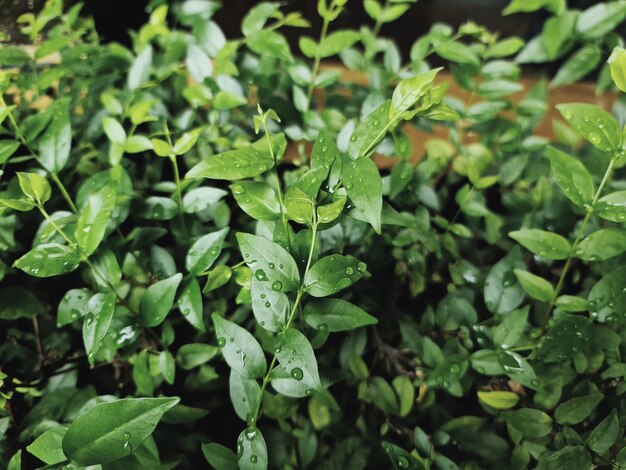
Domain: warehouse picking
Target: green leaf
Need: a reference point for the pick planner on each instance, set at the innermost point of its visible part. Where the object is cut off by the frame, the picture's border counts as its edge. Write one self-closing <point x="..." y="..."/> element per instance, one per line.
<point x="192" y="355"/>
<point x="500" y="400"/>
<point x="455" y="51"/>
<point x="73" y="306"/>
<point x="332" y="274"/>
<point x="405" y="392"/>
<point x="382" y="395"/>
<point x="577" y="409"/>
<point x="241" y="350"/>
<point x="329" y="212"/>
<point x="365" y="190"/>
<point x="219" y="456"/>
<point x="186" y="141"/>
<point x="594" y="124"/>
<point x="233" y="165"/>
<point x="49" y="259"/>
<point x="505" y="47"/>
<point x="530" y="422"/>
<point x="410" y="90"/>
<point x="324" y="152"/>
<point x="297" y="359"/>
<point x="269" y="262"/>
<point x="7" y="148"/>
<point x="572" y="177"/>
<point x="546" y="244"/>
<point x="199" y="199"/>
<point x="252" y="450"/>
<point x="502" y="292"/>
<point x="205" y="251"/>
<point x="271" y="44"/>
<point x="558" y="33"/>
<point x="518" y="369"/>
<point x="245" y="395"/>
<point x="137" y="144"/>
<point x="158" y="299"/>
<point x="270" y="307"/>
<point x="257" y="199"/>
<point x="607" y="299"/>
<point x="336" y="42"/>
<point x="578" y="66"/>
<point x="516" y="6"/>
<point x="93" y="219"/>
<point x="612" y="207"/>
<point x="571" y="303"/>
<point x="139" y="71"/>
<point x="569" y="335"/>
<point x="510" y="330"/>
<point x="535" y="286"/>
<point x="55" y="144"/>
<point x="617" y="64"/>
<point x="603" y="244"/>
<point x="198" y="63"/>
<point x="114" y="130"/>
<point x="256" y="18"/>
<point x="34" y="186"/>
<point x="369" y="132"/>
<point x="47" y="447"/>
<point x="110" y="431"/>
<point x="190" y="304"/>
<point x="600" y="19"/>
<point x="567" y="457"/>
<point x="605" y="433"/>
<point x="336" y="315"/>
<point x="299" y="205"/>
<point x="167" y="366"/>
<point x="97" y="322"/>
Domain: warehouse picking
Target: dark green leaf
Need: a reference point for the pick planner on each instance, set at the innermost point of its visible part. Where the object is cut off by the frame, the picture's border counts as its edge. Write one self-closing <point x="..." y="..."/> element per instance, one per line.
<point x="110" y="431"/>
<point x="332" y="274"/>
<point x="540" y="242"/>
<point x="158" y="299"/>
<point x="241" y="350"/>
<point x="336" y="315"/>
<point x="269" y="262"/>
<point x="50" y="259"/>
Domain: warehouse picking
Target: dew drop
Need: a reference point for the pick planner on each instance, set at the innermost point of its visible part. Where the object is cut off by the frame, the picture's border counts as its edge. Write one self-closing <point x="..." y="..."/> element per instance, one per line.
<point x="277" y="285"/>
<point x="221" y="342"/>
<point x="126" y="436"/>
<point x="297" y="373"/>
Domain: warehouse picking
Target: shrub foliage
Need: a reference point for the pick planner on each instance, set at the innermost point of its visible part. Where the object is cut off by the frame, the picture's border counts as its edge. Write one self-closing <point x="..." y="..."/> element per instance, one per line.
<point x="203" y="259"/>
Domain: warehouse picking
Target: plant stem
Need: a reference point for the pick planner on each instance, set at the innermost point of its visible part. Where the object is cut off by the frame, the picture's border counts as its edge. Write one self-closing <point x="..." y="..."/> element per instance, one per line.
<point x="279" y="190"/>
<point x="579" y="236"/>
<point x="53" y="175"/>
<point x="64" y="192"/>
<point x="83" y="256"/>
<point x="179" y="193"/>
<point x="316" y="62"/>
<point x="292" y="315"/>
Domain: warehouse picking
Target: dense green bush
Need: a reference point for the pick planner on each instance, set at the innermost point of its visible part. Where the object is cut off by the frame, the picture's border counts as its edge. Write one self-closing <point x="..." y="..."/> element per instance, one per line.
<point x="202" y="262"/>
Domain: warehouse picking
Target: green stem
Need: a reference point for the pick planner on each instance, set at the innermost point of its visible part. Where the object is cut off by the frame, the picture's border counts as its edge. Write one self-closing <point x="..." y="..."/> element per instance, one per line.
<point x="292" y="315"/>
<point x="53" y="175"/>
<point x="64" y="192"/>
<point x="316" y="63"/>
<point x="579" y="236"/>
<point x="279" y="190"/>
<point x="83" y="256"/>
<point x="458" y="212"/>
